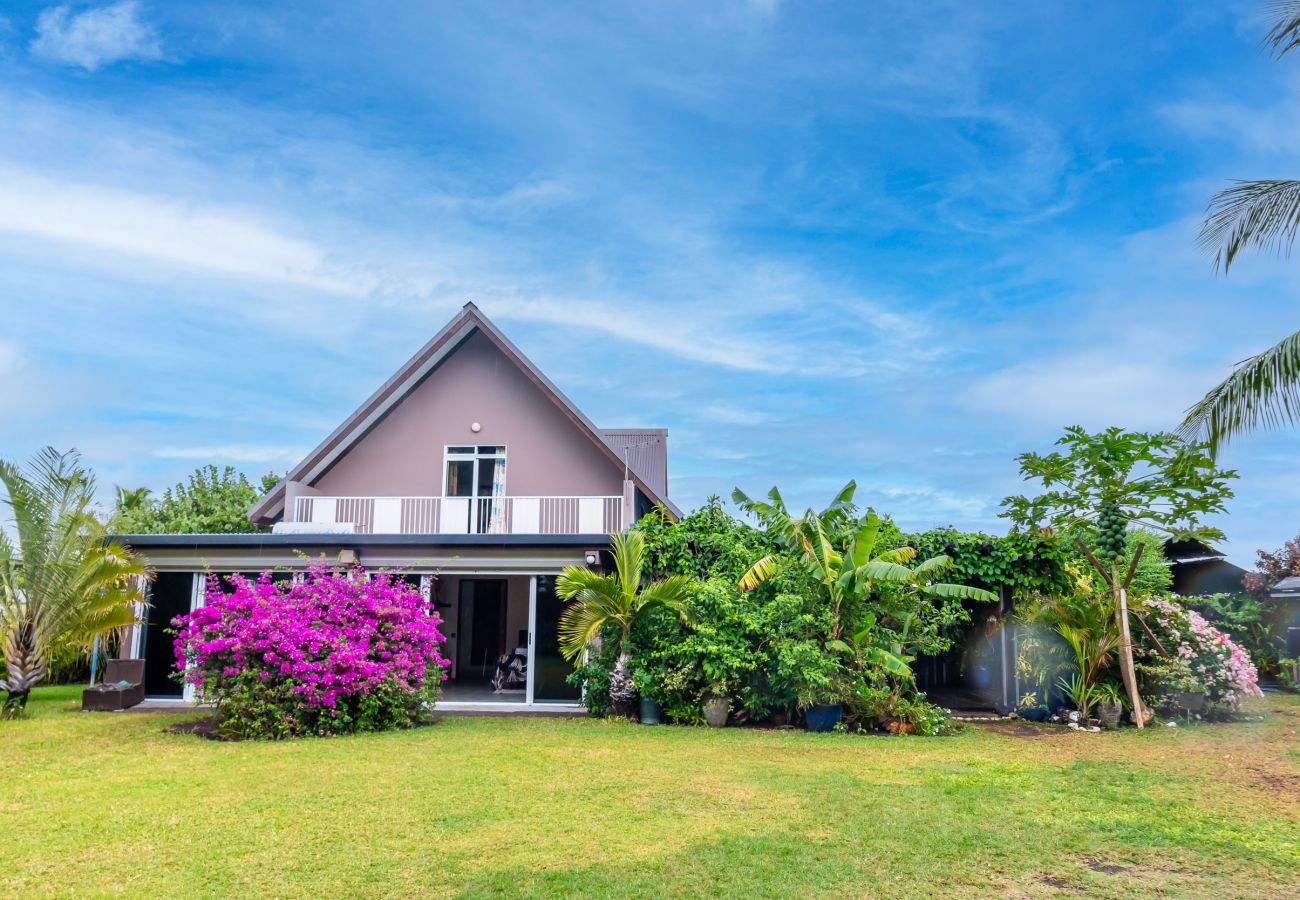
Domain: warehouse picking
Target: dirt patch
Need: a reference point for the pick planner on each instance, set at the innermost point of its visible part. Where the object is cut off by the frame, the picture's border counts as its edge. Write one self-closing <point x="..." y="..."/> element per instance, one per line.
<point x="205" y="727"/>
<point x="1018" y="728"/>
<point x="1105" y="868"/>
<point x="1060" y="884"/>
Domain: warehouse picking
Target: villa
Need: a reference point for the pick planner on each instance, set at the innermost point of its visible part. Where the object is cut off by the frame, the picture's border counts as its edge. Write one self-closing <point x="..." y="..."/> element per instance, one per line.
<point x="470" y="472"/>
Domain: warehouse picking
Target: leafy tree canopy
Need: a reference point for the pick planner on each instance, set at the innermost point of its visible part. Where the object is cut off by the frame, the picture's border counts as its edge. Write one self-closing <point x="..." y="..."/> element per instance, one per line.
<point x="211" y="501"/>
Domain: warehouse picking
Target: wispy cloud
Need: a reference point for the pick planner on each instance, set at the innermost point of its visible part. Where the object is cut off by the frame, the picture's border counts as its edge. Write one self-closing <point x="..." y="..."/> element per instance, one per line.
<point x="166" y="229"/>
<point x="96" y="37"/>
<point x="235" y="453"/>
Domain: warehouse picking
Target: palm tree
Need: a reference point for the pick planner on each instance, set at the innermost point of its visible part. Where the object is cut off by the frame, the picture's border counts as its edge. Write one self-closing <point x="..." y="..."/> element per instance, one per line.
<point x="1264" y="215"/>
<point x="62" y="582"/>
<point x="618" y="599"/>
<point x="855" y="569"/>
<point x="131" y="501"/>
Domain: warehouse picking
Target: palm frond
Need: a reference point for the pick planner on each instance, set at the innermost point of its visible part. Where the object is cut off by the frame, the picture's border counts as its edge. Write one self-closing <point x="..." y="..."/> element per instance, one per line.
<point x="1260" y="214"/>
<point x="1284" y="36"/>
<point x="1263" y="391"/>
<point x="629" y="552"/>
<point x="671" y="592"/>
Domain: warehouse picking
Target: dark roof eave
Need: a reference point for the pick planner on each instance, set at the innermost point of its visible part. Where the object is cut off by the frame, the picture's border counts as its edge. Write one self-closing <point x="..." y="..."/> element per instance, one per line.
<point x="263" y="539"/>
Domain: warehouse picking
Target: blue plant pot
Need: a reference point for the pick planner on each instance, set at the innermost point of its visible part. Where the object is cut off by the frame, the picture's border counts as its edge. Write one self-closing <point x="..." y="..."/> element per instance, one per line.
<point x="1034" y="714"/>
<point x="649" y="712"/>
<point x="821" y="717"/>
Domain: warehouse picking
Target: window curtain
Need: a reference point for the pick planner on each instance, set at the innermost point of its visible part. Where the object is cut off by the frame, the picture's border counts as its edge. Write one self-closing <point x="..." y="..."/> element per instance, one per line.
<point x="497" y="518"/>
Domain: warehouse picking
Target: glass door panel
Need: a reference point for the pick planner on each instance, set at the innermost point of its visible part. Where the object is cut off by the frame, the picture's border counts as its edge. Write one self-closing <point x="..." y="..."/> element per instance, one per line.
<point x="170" y="595"/>
<point x="551" y="670"/>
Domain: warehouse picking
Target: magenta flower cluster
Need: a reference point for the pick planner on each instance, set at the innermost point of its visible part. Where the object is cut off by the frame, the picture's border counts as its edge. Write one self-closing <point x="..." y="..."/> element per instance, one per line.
<point x="321" y="641"/>
<point x="1215" y="661"/>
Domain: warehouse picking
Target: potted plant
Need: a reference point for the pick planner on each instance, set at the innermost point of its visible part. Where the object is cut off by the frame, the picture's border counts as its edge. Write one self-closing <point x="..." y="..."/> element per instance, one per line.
<point x="650" y="713"/>
<point x="821" y="705"/>
<point x="1110" y="706"/>
<point x="716" y="706"/>
<point x="1031" y="710"/>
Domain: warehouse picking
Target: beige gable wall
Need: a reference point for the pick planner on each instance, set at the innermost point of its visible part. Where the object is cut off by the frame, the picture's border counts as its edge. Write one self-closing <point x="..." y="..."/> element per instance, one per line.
<point x="547" y="454"/>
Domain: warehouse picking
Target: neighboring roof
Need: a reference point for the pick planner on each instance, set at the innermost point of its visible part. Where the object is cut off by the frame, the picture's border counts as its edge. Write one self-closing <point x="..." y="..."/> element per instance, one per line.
<point x="465" y="323"/>
<point x="1288" y="585"/>
<point x="1186" y="551"/>
<point x="645" y="451"/>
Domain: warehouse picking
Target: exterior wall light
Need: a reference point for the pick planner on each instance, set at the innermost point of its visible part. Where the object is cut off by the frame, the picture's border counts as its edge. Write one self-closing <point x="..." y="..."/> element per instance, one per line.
<point x="475" y="427"/>
<point x="592" y="556"/>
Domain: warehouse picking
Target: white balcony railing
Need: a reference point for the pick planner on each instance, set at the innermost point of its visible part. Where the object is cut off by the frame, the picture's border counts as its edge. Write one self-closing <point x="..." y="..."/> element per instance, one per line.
<point x="465" y="515"/>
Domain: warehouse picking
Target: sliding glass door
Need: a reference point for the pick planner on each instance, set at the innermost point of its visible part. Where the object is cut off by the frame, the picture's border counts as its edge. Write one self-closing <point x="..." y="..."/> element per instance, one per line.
<point x="550" y="670"/>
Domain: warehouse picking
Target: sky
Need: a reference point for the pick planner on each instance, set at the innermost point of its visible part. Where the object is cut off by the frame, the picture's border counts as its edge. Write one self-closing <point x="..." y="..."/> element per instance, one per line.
<point x="894" y="242"/>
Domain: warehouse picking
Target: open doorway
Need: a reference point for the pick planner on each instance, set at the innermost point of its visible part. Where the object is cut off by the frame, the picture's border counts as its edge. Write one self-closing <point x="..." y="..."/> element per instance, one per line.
<point x="488" y="640"/>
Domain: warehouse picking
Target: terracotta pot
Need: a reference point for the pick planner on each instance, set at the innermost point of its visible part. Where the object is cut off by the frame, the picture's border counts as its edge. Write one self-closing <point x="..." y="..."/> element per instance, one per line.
<point x="715" y="711"/>
<point x="898" y="726"/>
<point x="780" y="718"/>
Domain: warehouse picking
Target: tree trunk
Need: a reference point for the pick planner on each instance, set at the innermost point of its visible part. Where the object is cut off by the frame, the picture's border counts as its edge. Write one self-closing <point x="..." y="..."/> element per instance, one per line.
<point x="621" y="689"/>
<point x="14" y="704"/>
<point x="1126" y="668"/>
<point x="25" y="665"/>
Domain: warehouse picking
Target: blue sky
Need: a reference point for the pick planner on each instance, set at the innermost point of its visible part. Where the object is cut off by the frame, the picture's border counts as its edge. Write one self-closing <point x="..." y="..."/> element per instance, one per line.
<point x="897" y="242"/>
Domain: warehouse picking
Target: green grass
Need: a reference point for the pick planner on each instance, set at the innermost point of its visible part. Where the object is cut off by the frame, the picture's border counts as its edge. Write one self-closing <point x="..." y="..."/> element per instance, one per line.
<point x="113" y="803"/>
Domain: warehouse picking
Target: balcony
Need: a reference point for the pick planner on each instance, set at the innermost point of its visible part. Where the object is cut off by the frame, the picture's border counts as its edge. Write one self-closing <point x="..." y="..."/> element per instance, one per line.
<point x="464" y="515"/>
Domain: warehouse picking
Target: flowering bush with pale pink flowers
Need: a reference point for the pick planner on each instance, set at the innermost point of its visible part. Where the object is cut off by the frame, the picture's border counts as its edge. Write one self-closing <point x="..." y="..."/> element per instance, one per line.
<point x="1208" y="660"/>
<point x="334" y="653"/>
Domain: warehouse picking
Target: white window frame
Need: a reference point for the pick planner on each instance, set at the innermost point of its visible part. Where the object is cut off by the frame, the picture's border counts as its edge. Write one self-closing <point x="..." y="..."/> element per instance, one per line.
<point x="476" y="457"/>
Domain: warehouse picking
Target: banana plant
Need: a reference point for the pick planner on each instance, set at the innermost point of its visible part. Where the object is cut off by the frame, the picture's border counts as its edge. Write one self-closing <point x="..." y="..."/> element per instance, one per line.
<point x="853" y="569"/>
<point x="862" y="647"/>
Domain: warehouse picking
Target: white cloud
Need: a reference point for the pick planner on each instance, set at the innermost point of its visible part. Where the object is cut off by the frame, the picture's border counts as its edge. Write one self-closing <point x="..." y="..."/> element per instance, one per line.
<point x="1094" y="389"/>
<point x="243" y="453"/>
<point x="96" y="37"/>
<point x="931" y="505"/>
<point x="188" y="234"/>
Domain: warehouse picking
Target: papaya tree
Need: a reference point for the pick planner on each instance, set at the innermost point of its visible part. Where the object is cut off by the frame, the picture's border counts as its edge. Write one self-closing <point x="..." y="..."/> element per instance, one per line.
<point x="1102" y="484"/>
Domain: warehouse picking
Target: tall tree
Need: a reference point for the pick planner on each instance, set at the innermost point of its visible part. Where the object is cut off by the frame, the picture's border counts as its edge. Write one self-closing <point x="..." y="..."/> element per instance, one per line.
<point x="61" y="581"/>
<point x="1113" y="479"/>
<point x="1263" y="390"/>
<point x="210" y="501"/>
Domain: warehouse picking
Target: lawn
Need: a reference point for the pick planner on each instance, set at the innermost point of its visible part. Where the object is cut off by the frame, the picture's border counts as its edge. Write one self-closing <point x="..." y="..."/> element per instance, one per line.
<point x="113" y="803"/>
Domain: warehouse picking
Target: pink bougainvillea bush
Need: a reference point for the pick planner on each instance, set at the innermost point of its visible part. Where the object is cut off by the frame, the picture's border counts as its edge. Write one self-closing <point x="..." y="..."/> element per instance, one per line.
<point x="1201" y="659"/>
<point x="334" y="653"/>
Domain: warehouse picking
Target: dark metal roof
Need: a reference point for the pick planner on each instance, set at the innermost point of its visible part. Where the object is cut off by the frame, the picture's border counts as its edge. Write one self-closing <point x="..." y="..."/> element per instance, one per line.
<point x="1178" y="551"/>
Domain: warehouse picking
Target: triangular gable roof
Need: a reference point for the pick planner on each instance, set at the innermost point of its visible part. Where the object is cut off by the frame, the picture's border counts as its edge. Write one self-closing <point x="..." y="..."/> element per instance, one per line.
<point x="469" y="320"/>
